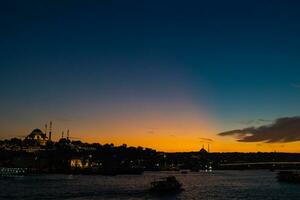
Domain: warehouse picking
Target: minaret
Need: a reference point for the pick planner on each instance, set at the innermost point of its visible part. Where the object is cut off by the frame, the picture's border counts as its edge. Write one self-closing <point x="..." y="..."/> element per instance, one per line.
<point x="68" y="134"/>
<point x="46" y="128"/>
<point x="50" y="131"/>
<point x="208" y="148"/>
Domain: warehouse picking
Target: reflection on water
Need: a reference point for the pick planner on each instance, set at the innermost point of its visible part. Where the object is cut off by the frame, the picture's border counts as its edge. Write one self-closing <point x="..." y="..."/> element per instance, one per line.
<point x="216" y="185"/>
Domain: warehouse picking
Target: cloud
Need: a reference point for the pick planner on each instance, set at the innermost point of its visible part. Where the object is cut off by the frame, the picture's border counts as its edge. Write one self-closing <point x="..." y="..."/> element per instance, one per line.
<point x="206" y="140"/>
<point x="283" y="130"/>
<point x="255" y="122"/>
<point x="296" y="85"/>
<point x="151" y="132"/>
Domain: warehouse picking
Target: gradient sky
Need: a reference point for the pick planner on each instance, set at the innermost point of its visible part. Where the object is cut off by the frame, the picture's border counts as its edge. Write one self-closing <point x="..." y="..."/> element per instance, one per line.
<point x="162" y="74"/>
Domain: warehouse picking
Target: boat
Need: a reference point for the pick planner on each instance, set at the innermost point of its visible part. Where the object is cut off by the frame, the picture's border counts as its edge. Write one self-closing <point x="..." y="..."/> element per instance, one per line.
<point x="289" y="176"/>
<point x="166" y="185"/>
<point x="184" y="172"/>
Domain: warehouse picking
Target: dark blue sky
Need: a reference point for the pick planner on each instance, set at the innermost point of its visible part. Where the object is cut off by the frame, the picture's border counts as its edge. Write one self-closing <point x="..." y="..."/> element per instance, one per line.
<point x="237" y="59"/>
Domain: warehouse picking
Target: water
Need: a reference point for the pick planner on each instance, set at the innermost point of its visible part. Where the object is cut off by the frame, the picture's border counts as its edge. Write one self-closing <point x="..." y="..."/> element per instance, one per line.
<point x="217" y="185"/>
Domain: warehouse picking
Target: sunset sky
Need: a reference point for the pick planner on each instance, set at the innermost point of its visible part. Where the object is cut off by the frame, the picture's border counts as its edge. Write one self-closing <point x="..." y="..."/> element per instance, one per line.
<point x="170" y="75"/>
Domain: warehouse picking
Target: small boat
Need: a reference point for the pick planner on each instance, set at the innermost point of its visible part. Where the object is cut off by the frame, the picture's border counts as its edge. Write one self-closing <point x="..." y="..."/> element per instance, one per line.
<point x="184" y="172"/>
<point x="166" y="185"/>
<point x="289" y="176"/>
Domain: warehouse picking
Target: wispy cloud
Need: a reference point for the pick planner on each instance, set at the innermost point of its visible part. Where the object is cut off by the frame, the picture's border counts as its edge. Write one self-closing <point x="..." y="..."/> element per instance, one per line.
<point x="281" y="131"/>
<point x="255" y="121"/>
<point x="208" y="140"/>
<point x="152" y="132"/>
<point x="296" y="85"/>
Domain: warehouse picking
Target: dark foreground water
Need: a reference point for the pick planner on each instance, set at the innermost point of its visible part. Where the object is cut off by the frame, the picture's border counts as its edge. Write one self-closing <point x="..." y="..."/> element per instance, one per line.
<point x="217" y="185"/>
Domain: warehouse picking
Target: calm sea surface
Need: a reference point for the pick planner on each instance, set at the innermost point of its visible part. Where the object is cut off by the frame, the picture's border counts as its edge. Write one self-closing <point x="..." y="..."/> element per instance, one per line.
<point x="217" y="185"/>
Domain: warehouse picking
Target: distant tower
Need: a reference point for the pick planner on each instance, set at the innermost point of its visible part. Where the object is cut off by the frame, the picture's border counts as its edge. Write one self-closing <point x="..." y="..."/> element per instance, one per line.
<point x="68" y="134"/>
<point x="46" y="128"/>
<point x="208" y="148"/>
<point x="62" y="134"/>
<point x="50" y="131"/>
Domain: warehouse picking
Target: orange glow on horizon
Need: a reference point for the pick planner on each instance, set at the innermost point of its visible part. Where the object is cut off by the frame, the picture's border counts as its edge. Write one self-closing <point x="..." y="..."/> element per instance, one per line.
<point x="169" y="128"/>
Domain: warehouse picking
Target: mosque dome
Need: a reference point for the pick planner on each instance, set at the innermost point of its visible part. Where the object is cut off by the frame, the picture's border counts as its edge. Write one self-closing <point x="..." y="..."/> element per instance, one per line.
<point x="203" y="151"/>
<point x="37" y="134"/>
